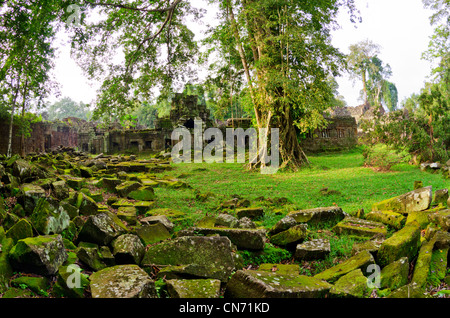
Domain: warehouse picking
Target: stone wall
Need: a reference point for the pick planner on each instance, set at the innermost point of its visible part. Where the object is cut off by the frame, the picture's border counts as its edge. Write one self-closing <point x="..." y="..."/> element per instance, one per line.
<point x="45" y="136"/>
<point x="341" y="133"/>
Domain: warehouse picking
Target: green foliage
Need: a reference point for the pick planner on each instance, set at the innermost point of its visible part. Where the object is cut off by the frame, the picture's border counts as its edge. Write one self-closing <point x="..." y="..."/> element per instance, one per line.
<point x="365" y="65"/>
<point x="157" y="50"/>
<point x="67" y="107"/>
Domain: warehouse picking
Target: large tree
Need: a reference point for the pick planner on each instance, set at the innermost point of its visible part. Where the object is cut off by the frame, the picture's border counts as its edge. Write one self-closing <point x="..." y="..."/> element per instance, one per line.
<point x="133" y="47"/>
<point x="27" y="30"/>
<point x="284" y="51"/>
<point x="365" y="65"/>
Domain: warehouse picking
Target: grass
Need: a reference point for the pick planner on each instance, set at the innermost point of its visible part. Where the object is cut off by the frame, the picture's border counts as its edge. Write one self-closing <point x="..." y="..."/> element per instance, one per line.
<point x="349" y="184"/>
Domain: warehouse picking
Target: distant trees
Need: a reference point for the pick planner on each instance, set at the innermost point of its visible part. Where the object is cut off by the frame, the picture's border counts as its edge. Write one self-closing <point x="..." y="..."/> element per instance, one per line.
<point x="66" y="107"/>
<point x="26" y="54"/>
<point x="421" y="128"/>
<point x="365" y="65"/>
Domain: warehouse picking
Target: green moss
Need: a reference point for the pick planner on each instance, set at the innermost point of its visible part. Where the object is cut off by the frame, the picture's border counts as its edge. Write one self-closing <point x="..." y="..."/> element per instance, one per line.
<point x="270" y="254"/>
<point x="438" y="267"/>
<point x="402" y="243"/>
<point x="353" y="284"/>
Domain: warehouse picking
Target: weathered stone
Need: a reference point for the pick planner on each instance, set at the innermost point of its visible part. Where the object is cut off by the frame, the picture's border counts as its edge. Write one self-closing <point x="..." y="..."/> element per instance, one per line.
<point x="110" y="183"/>
<point x="122" y="281"/>
<point x="420" y="217"/>
<point x="360" y="260"/>
<point x="403" y="243"/>
<point x="360" y="227"/>
<point x="126" y="187"/>
<point x="193" y="288"/>
<point x="20" y="230"/>
<point x="158" y="219"/>
<point x="351" y="285"/>
<point x="441" y="218"/>
<point x="291" y="236"/>
<point x="441" y="196"/>
<point x="85" y="204"/>
<point x="312" y="250"/>
<point x="89" y="253"/>
<point x="252" y="213"/>
<point x="442" y="240"/>
<point x="21" y="169"/>
<point x="252" y="239"/>
<point x="127" y="214"/>
<point x="31" y="194"/>
<point x="144" y="193"/>
<point x="60" y="190"/>
<point x="41" y="254"/>
<point x="246" y="223"/>
<point x="49" y="217"/>
<point x="152" y="233"/>
<point x="128" y="249"/>
<point x="209" y="257"/>
<point x="6" y="271"/>
<point x="371" y="246"/>
<point x="422" y="266"/>
<point x="327" y="214"/>
<point x="101" y="229"/>
<point x="411" y="290"/>
<point x="282" y="225"/>
<point x="36" y="284"/>
<point x="393" y="219"/>
<point x="395" y="275"/>
<point x="417" y="200"/>
<point x="262" y="284"/>
<point x="141" y="206"/>
<point x="86" y="172"/>
<point x="71" y="282"/>
<point x="75" y="183"/>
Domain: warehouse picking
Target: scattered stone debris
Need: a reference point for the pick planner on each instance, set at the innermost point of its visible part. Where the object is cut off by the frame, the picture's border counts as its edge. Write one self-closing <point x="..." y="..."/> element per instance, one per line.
<point x="67" y="213"/>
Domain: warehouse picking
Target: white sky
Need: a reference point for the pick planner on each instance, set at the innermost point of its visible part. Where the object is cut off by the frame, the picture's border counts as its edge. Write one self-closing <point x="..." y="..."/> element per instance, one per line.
<point x="400" y="27"/>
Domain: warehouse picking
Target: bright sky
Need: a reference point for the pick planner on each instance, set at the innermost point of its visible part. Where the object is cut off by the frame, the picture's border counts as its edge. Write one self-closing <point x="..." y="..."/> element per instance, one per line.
<point x="400" y="27"/>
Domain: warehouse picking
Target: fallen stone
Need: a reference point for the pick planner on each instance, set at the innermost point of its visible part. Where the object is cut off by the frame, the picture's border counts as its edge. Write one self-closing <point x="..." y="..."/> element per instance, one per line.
<point x="35" y="284"/>
<point x="86" y="205"/>
<point x="312" y="250"/>
<point x="41" y="254"/>
<point x="417" y="200"/>
<point x="101" y="229"/>
<point x="371" y="246"/>
<point x="291" y="236"/>
<point x="141" y="206"/>
<point x="422" y="266"/>
<point x="441" y="218"/>
<point x="441" y="196"/>
<point x="75" y="183"/>
<point x="252" y="239"/>
<point x="403" y="243"/>
<point x="49" y="217"/>
<point x="126" y="187"/>
<point x="60" y="190"/>
<point x="252" y="213"/>
<point x="127" y="214"/>
<point x="89" y="254"/>
<point x="393" y="219"/>
<point x="360" y="227"/>
<point x="395" y="275"/>
<point x="351" y="285"/>
<point x="317" y="215"/>
<point x="282" y="225"/>
<point x="6" y="271"/>
<point x="209" y="257"/>
<point x="153" y="233"/>
<point x="144" y="193"/>
<point x="128" y="249"/>
<point x="71" y="282"/>
<point x="411" y="290"/>
<point x="158" y="219"/>
<point x="262" y="284"/>
<point x="360" y="260"/>
<point x="122" y="281"/>
<point x="20" y="230"/>
<point x="31" y="194"/>
<point x="193" y="288"/>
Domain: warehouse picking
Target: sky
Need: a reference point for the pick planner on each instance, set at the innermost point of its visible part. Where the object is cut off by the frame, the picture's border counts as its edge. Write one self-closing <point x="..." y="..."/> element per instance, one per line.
<point x="400" y="27"/>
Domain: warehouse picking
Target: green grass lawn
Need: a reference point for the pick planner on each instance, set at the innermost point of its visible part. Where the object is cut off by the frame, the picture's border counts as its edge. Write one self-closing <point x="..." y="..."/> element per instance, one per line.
<point x="351" y="186"/>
